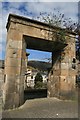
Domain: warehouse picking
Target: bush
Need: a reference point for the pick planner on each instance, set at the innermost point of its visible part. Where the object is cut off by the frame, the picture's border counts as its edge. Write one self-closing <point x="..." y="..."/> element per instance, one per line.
<point x="38" y="78"/>
<point x="38" y="85"/>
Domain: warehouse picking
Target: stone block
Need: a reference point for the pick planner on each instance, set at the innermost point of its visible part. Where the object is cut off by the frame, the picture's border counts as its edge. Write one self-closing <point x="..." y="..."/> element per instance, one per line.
<point x="64" y="72"/>
<point x="12" y="62"/>
<point x="11" y="101"/>
<point x="67" y="83"/>
<point x="14" y="35"/>
<point x="73" y="72"/>
<point x="13" y="53"/>
<point x="16" y="99"/>
<point x="56" y="72"/>
<point x="14" y="44"/>
<point x="24" y="54"/>
<point x="12" y="70"/>
<point x="10" y="84"/>
<point x="21" y="93"/>
<point x="64" y="66"/>
<point x="23" y="62"/>
<point x="64" y="85"/>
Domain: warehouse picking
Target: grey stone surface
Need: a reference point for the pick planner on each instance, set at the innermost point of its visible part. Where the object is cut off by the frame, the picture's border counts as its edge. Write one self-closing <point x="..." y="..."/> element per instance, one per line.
<point x="44" y="108"/>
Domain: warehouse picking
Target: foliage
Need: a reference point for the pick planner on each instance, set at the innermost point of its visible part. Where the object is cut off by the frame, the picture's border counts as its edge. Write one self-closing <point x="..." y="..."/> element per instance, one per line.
<point x="44" y="85"/>
<point x="39" y="81"/>
<point x="57" y="19"/>
<point x="38" y="78"/>
<point x="60" y="36"/>
<point x="38" y="85"/>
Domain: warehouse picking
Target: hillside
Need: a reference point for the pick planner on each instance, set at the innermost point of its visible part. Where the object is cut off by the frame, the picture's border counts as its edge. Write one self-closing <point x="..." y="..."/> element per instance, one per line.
<point x="40" y="65"/>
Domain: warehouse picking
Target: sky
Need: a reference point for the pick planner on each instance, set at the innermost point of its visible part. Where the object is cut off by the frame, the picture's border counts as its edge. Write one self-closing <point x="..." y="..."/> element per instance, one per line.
<point x="32" y="9"/>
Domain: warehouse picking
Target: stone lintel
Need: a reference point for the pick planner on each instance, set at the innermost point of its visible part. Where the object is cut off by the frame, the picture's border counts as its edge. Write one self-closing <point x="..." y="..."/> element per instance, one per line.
<point x="24" y="20"/>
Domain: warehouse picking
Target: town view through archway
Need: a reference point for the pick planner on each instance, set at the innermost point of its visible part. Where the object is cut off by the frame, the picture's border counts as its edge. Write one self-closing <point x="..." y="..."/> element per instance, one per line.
<point x="39" y="63"/>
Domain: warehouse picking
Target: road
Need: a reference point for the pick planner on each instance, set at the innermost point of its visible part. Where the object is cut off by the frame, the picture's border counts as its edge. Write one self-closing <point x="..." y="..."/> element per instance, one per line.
<point x="44" y="108"/>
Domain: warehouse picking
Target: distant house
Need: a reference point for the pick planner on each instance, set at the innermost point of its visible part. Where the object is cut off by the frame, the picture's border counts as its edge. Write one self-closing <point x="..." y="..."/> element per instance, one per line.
<point x="30" y="78"/>
<point x="31" y="74"/>
<point x="45" y="78"/>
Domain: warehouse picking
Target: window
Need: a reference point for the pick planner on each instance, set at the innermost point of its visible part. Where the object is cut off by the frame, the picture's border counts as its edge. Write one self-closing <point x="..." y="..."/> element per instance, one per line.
<point x="73" y="66"/>
<point x="31" y="77"/>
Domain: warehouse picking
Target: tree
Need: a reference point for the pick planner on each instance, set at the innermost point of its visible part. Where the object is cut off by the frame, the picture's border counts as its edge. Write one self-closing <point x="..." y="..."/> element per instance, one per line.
<point x="38" y="81"/>
<point x="59" y="20"/>
<point x="38" y="78"/>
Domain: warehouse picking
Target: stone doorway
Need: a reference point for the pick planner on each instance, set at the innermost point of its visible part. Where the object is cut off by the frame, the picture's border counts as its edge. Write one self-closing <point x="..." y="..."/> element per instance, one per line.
<point x="25" y="33"/>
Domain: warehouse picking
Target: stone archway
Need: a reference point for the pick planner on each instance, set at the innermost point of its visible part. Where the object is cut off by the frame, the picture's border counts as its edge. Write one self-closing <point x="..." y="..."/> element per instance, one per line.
<point x="25" y="33"/>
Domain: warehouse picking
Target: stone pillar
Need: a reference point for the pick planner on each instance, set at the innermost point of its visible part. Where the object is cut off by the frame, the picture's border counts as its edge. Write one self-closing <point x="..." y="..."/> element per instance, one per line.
<point x="68" y="69"/>
<point x="54" y="75"/>
<point x="13" y="93"/>
<point x="62" y="76"/>
<point x="25" y="81"/>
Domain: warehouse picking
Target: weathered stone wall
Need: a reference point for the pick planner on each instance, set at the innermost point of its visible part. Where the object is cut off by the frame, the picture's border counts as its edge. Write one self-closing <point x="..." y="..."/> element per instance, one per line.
<point x="54" y="76"/>
<point x="68" y="68"/>
<point x="62" y="81"/>
<point x="1" y="81"/>
<point x="13" y="94"/>
<point x="1" y="76"/>
<point x="29" y="28"/>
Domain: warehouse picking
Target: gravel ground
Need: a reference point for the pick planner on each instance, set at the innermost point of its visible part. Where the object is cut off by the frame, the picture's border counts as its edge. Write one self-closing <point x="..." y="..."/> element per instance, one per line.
<point x="44" y="108"/>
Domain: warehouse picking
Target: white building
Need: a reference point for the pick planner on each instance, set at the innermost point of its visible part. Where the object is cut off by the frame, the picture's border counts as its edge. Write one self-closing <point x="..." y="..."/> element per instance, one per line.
<point x="30" y="77"/>
<point x="45" y="78"/>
